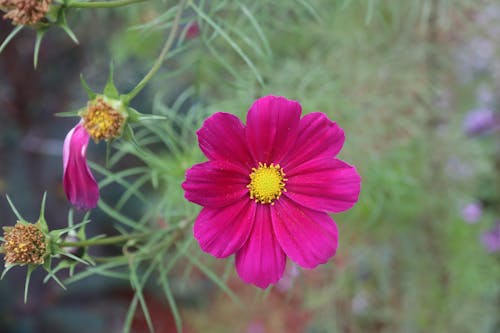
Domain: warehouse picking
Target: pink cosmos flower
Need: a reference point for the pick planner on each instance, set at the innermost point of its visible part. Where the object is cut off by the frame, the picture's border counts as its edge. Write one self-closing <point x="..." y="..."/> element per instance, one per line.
<point x="103" y="119"/>
<point x="79" y="183"/>
<point x="267" y="188"/>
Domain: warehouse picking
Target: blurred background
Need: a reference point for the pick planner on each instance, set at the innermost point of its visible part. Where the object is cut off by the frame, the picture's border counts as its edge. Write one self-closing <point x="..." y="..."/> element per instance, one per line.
<point x="414" y="84"/>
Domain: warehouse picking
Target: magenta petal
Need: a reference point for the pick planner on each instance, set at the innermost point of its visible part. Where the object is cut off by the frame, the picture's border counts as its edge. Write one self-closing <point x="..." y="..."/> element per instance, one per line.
<point x="272" y="125"/>
<point x="223" y="231"/>
<point x="261" y="261"/>
<point x="222" y="137"/>
<point x="318" y="136"/>
<point x="79" y="183"/>
<point x="324" y="184"/>
<point x="216" y="183"/>
<point x="308" y="237"/>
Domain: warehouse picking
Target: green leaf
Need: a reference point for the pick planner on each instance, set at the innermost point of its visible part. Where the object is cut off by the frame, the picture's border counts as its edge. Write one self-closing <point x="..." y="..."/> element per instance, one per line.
<point x="310" y="9"/>
<point x="170" y="298"/>
<point x="75" y="258"/>
<point x="257" y="28"/>
<point x="230" y="41"/>
<point x="120" y="217"/>
<point x="110" y="88"/>
<point x="214" y="278"/>
<point x="138" y="286"/>
<point x="51" y="274"/>
<point x="134" y="189"/>
<point x="130" y="314"/>
<point x="369" y="12"/>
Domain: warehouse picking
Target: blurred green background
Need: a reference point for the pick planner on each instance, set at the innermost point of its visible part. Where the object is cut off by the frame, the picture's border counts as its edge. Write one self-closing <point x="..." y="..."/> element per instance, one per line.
<point x="414" y="84"/>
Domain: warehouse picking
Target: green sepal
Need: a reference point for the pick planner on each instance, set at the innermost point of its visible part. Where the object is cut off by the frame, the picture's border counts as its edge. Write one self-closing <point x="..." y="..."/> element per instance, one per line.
<point x="54" y="13"/>
<point x="128" y="134"/>
<point x="6" y="268"/>
<point x="9" y="37"/>
<point x="135" y="116"/>
<point x="110" y="88"/>
<point x="14" y="209"/>
<point x="63" y="23"/>
<point x="90" y="93"/>
<point x="39" y="37"/>
<point x="41" y="220"/>
<point x="51" y="274"/>
<point x="30" y="270"/>
<point x="74" y="113"/>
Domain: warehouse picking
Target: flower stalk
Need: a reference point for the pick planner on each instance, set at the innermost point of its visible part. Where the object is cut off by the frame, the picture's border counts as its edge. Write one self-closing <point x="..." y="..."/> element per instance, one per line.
<point x="159" y="61"/>
<point x="103" y="4"/>
<point x="108" y="240"/>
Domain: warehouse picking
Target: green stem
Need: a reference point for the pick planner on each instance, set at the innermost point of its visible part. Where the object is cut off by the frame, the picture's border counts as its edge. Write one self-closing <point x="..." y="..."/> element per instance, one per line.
<point x="107" y="241"/>
<point x="161" y="57"/>
<point x="103" y="4"/>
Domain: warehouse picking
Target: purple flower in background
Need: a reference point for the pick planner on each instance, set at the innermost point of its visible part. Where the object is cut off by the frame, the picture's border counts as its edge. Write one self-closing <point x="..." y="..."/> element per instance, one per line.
<point x="480" y="121"/>
<point x="472" y="212"/>
<point x="491" y="238"/>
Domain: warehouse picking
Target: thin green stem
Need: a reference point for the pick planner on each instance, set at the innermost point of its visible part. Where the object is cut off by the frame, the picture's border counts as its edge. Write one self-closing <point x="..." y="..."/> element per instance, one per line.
<point x="103" y="4"/>
<point x="107" y="241"/>
<point x="168" y="44"/>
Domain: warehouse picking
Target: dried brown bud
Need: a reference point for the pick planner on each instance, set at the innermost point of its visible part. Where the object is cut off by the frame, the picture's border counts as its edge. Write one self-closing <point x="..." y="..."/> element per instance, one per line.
<point x="24" y="244"/>
<point x="25" y="12"/>
<point x="103" y="119"/>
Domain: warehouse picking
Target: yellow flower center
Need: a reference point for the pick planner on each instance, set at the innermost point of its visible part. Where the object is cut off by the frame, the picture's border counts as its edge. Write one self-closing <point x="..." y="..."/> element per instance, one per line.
<point x="267" y="183"/>
<point x="102" y="121"/>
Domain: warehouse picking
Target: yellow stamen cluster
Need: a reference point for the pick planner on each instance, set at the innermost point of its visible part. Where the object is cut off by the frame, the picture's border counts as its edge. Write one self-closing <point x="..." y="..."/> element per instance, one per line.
<point x="24" y="244"/>
<point x="267" y="183"/>
<point x="25" y="12"/>
<point x="102" y="121"/>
